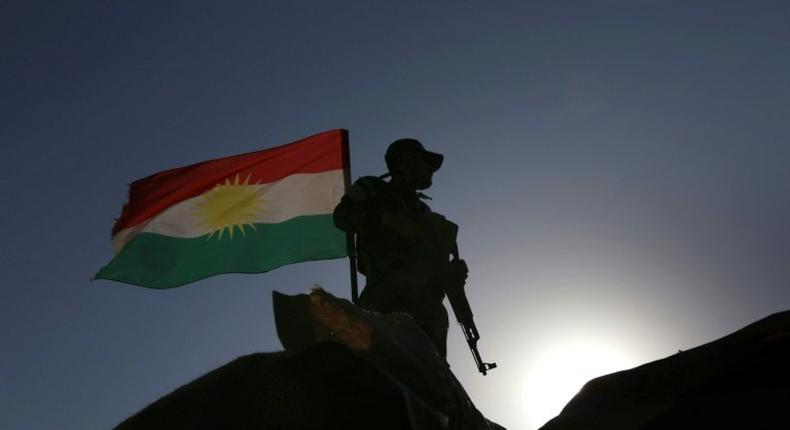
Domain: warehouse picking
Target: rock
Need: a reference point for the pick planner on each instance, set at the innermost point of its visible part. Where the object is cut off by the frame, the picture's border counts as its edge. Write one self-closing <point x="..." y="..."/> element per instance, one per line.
<point x="326" y="387"/>
<point x="343" y="368"/>
<point x="739" y="381"/>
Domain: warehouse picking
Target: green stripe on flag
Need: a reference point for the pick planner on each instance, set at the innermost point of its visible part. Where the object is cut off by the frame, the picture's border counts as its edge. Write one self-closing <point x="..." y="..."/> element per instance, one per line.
<point x="155" y="261"/>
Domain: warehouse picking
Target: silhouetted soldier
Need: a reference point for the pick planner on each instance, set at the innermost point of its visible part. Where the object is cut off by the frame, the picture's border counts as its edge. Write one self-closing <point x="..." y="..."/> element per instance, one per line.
<point x="407" y="252"/>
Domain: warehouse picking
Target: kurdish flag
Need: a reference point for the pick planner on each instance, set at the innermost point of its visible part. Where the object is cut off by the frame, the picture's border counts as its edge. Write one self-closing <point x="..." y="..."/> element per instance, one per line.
<point x="248" y="213"/>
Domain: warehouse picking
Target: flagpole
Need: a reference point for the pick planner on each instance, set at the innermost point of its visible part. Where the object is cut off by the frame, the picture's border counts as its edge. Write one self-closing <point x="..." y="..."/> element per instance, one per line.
<point x="350" y="238"/>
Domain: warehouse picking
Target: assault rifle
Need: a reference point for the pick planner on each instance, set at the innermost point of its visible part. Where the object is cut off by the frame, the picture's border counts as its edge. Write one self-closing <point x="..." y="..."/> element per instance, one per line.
<point x="453" y="278"/>
<point x="463" y="312"/>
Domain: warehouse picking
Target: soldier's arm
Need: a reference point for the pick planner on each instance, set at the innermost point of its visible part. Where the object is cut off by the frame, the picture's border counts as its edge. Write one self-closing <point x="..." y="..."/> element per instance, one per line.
<point x="358" y="211"/>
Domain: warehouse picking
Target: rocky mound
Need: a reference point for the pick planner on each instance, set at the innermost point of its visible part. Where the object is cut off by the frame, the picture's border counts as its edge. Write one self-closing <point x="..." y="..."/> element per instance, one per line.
<point x="739" y="381"/>
<point x="343" y="368"/>
<point x="327" y="387"/>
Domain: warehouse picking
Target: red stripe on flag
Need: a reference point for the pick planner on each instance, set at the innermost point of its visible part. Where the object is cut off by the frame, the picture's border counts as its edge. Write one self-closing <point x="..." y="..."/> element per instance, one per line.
<point x="152" y="195"/>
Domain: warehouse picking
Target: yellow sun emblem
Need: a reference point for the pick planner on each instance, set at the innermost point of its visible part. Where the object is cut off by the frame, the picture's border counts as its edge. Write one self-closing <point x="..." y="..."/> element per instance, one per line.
<point x="229" y="206"/>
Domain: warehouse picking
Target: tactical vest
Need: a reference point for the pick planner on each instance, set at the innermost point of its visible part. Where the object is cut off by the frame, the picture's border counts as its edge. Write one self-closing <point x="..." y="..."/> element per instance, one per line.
<point x="386" y="257"/>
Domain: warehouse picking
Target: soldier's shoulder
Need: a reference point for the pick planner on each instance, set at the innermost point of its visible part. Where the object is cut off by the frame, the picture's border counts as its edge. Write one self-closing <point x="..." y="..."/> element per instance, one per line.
<point x="436" y="216"/>
<point x="368" y="187"/>
<point x="372" y="183"/>
<point x="370" y="180"/>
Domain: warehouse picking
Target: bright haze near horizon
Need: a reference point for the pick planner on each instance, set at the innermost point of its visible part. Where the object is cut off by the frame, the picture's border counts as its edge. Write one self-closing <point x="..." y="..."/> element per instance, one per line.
<point x="620" y="172"/>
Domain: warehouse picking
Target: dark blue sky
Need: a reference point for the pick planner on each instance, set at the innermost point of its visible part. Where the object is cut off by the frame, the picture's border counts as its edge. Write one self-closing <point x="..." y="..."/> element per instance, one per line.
<point x="620" y="172"/>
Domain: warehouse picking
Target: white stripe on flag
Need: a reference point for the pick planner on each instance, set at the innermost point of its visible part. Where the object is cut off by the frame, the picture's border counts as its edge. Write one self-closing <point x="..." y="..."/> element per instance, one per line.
<point x="290" y="197"/>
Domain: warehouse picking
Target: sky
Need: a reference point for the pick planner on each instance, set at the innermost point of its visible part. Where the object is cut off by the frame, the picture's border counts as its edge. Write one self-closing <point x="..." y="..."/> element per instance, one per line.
<point x="619" y="170"/>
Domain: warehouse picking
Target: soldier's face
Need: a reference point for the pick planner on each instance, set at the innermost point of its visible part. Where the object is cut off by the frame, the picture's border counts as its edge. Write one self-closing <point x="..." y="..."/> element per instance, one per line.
<point x="421" y="172"/>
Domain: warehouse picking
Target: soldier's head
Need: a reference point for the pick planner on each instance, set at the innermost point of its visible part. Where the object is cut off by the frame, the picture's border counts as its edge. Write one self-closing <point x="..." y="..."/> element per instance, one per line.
<point x="409" y="161"/>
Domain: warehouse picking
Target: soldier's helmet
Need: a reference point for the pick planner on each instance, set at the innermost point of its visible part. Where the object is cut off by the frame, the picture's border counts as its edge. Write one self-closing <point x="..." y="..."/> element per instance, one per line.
<point x="401" y="147"/>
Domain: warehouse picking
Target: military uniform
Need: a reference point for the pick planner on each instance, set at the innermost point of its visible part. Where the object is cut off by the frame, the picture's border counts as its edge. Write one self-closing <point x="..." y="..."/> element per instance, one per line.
<point x="403" y="250"/>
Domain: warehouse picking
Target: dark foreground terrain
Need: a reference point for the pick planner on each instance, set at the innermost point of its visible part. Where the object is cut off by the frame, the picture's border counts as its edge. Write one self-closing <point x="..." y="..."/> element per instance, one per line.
<point x="343" y="368"/>
<point x="741" y="381"/>
<point x="326" y="388"/>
